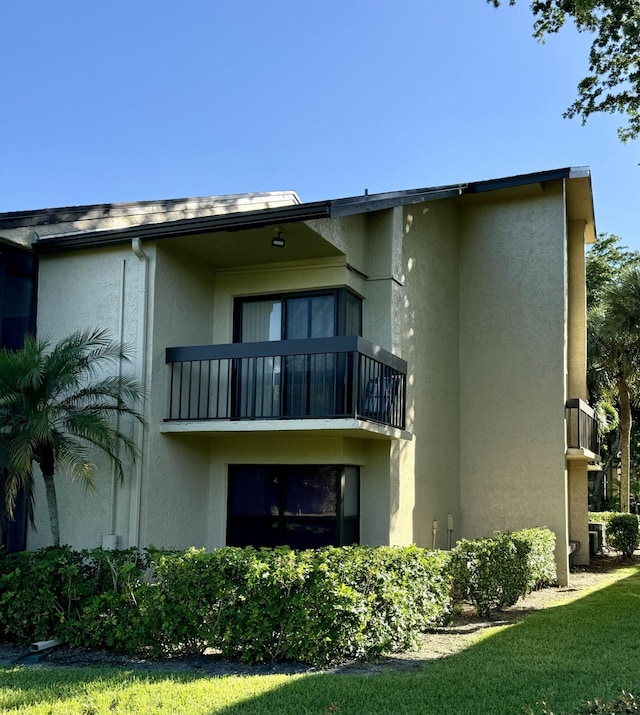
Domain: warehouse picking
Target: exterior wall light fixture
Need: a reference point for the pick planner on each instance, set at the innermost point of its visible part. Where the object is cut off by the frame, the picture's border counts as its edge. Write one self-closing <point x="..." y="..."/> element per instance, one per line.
<point x="278" y="240"/>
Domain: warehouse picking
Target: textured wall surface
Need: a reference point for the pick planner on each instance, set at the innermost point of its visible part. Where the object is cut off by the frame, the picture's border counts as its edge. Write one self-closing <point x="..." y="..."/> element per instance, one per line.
<point x="513" y="365"/>
<point x="430" y="345"/>
<point x="80" y="290"/>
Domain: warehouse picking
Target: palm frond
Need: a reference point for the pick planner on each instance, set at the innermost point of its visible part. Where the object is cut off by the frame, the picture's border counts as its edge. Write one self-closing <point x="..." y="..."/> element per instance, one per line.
<point x="59" y="402"/>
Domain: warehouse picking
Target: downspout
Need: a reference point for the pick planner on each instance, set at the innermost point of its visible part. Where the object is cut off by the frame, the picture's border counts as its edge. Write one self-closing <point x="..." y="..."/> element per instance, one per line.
<point x="141" y="347"/>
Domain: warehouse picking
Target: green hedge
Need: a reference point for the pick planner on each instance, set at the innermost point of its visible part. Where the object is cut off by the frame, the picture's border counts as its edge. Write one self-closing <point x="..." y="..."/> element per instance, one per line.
<point x="541" y="562"/>
<point x="602" y="516"/>
<point x="493" y="573"/>
<point x="40" y="593"/>
<point x="320" y="606"/>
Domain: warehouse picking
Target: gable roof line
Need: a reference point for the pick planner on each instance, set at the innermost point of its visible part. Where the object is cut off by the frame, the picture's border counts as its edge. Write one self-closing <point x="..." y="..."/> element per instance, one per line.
<point x="49" y="216"/>
<point x="332" y="208"/>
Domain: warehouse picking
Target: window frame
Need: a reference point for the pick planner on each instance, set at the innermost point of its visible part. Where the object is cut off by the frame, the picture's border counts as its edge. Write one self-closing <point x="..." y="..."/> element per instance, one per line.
<point x="340" y="308"/>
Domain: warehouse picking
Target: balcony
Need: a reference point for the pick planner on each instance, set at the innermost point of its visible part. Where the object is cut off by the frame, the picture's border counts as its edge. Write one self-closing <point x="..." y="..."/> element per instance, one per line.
<point x="313" y="379"/>
<point x="583" y="440"/>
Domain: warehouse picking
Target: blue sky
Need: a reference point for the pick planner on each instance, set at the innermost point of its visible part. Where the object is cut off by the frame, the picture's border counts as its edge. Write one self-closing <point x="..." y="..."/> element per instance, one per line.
<point x="133" y="100"/>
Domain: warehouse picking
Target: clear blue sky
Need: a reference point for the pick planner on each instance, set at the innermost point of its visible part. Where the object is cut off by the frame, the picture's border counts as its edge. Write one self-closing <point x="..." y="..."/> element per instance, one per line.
<point x="131" y="99"/>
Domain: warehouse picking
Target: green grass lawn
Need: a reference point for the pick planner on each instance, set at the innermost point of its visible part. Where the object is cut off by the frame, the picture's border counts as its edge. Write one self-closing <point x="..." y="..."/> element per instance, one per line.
<point x="577" y="650"/>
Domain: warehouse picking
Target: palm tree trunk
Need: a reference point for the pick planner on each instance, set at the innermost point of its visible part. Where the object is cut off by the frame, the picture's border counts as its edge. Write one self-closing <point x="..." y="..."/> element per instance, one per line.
<point x="625" y="444"/>
<point x="52" y="504"/>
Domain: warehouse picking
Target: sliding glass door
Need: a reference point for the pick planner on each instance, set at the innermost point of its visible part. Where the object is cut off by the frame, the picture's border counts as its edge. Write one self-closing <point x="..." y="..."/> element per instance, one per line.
<point x="258" y="379"/>
<point x="309" y="379"/>
<point x="296" y="385"/>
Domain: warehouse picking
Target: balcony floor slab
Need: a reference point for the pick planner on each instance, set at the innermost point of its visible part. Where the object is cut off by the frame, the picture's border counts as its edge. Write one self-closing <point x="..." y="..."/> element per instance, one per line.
<point x="345" y="427"/>
<point x="585" y="455"/>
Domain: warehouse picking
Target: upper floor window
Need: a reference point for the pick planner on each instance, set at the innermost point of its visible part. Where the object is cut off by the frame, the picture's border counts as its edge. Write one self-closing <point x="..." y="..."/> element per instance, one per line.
<point x="297" y="316"/>
<point x="18" y="271"/>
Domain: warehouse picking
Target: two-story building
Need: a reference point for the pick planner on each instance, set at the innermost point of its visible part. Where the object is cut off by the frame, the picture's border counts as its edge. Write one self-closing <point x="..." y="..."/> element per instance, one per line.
<point x="406" y="367"/>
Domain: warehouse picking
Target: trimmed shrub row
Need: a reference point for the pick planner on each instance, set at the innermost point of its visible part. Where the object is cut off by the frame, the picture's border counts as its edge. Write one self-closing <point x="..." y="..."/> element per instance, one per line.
<point x="320" y="607"/>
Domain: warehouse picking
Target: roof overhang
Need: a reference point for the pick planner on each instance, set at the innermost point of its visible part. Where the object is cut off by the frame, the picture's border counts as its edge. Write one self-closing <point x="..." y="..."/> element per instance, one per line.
<point x="579" y="199"/>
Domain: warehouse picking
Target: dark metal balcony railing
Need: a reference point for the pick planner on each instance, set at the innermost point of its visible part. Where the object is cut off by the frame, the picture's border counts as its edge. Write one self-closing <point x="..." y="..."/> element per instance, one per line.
<point x="289" y="379"/>
<point x="582" y="427"/>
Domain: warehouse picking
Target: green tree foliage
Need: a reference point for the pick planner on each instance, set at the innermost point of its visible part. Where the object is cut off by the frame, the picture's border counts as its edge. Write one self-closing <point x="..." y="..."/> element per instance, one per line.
<point x="614" y="356"/>
<point x="605" y="261"/>
<point x="612" y="84"/>
<point x="57" y="403"/>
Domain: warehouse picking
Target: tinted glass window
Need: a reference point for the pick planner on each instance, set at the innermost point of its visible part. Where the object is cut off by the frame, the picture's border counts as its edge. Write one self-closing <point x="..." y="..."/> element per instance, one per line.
<point x="296" y="505"/>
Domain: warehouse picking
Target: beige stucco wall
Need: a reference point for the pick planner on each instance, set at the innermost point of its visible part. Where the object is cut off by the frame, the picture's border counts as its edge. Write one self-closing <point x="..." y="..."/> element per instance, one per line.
<point x="80" y="290"/>
<point x="578" y="489"/>
<point x="174" y="487"/>
<point x="350" y="235"/>
<point x="430" y="330"/>
<point x="512" y="365"/>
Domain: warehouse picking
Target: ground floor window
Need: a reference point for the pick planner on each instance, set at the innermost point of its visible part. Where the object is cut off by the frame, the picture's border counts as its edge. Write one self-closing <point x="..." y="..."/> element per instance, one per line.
<point x="302" y="506"/>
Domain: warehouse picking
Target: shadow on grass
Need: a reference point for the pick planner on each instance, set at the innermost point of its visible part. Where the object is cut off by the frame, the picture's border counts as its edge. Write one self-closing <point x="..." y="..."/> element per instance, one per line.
<point x="563" y="655"/>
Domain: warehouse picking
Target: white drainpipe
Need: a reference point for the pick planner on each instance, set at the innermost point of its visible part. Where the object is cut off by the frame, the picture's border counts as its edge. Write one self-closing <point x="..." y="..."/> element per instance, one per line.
<point x="141" y="349"/>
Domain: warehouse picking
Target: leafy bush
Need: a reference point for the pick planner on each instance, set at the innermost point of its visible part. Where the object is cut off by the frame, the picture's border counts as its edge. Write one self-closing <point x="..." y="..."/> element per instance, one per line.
<point x="626" y="703"/>
<point x="331" y="605"/>
<point x="493" y="573"/>
<point x="602" y="516"/>
<point x="490" y="573"/>
<point x="40" y="592"/>
<point x="623" y="534"/>
<point x="320" y="607"/>
<point x="541" y="561"/>
<point x="113" y="616"/>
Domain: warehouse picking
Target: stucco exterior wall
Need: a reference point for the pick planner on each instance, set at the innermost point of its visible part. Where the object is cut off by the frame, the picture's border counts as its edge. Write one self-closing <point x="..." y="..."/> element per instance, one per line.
<point x="348" y="234"/>
<point x="512" y="365"/>
<point x="81" y="290"/>
<point x="174" y="493"/>
<point x="578" y="489"/>
<point x="430" y="335"/>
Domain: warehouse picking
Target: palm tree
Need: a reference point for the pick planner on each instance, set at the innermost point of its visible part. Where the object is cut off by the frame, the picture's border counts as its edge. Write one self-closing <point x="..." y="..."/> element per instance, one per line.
<point x="614" y="356"/>
<point x="56" y="404"/>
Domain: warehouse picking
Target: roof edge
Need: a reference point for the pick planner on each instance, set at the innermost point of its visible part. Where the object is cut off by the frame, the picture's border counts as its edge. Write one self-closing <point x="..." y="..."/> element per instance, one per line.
<point x="64" y="214"/>
<point x="297" y="212"/>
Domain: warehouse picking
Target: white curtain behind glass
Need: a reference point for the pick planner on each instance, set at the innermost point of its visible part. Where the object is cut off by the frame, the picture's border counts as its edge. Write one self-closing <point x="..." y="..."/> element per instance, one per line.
<point x="261" y="321"/>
